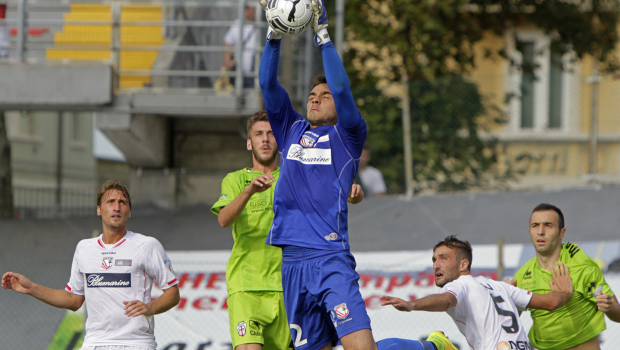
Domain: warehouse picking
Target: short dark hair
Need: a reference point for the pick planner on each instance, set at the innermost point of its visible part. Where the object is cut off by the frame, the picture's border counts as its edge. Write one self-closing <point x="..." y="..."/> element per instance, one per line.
<point x="463" y="249"/>
<point x="259" y="116"/>
<point x="545" y="207"/>
<point x="113" y="185"/>
<point x="318" y="80"/>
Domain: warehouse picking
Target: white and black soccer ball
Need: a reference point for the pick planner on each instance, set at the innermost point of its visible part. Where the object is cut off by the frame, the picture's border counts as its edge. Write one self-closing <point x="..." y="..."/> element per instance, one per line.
<point x="289" y="17"/>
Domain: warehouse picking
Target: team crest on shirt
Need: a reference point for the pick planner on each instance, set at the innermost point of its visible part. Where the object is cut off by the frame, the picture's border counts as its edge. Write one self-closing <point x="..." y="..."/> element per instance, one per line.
<point x="107" y="262"/>
<point x="342" y="311"/>
<point x="241" y="328"/>
<point x="331" y="237"/>
<point x="307" y="141"/>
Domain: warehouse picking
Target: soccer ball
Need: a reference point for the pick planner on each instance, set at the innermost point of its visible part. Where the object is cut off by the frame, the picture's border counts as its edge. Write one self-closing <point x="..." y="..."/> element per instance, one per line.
<point x="289" y="17"/>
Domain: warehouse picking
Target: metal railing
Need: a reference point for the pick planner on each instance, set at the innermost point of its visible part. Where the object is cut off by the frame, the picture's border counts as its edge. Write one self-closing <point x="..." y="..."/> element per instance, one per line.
<point x="45" y="203"/>
<point x="190" y="54"/>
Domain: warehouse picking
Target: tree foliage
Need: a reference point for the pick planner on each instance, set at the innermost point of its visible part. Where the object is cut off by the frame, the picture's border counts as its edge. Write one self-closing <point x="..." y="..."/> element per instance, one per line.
<point x="435" y="41"/>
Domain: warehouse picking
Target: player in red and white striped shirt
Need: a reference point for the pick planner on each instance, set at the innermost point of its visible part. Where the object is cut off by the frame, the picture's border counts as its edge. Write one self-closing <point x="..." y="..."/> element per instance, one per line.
<point x="114" y="274"/>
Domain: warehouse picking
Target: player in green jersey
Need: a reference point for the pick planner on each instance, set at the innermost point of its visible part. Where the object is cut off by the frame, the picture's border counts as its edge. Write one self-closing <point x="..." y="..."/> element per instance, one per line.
<point x="577" y="324"/>
<point x="255" y="303"/>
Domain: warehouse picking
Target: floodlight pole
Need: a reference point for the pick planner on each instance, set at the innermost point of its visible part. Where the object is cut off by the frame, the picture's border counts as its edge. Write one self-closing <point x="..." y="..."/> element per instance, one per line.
<point x="407" y="136"/>
<point x="594" y="79"/>
<point x="340" y="28"/>
<point x="21" y="31"/>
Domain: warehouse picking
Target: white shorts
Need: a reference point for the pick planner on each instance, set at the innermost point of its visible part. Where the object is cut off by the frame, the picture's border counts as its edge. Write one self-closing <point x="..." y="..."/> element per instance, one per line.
<point x="115" y="347"/>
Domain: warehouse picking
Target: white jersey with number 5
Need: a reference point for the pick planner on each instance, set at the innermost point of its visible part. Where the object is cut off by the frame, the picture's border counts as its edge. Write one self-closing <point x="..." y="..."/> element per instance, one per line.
<point x="107" y="275"/>
<point x="486" y="312"/>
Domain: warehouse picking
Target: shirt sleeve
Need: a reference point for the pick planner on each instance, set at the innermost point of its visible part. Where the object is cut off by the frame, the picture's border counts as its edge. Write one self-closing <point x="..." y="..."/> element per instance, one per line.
<point x="230" y="190"/>
<point x="591" y="280"/>
<point x="158" y="265"/>
<point x="76" y="281"/>
<point x="455" y="288"/>
<point x="520" y="297"/>
<point x="232" y="35"/>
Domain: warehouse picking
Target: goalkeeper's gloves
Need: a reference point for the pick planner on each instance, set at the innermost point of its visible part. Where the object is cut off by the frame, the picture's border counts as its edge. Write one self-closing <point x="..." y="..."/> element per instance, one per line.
<point x="271" y="34"/>
<point x="319" y="22"/>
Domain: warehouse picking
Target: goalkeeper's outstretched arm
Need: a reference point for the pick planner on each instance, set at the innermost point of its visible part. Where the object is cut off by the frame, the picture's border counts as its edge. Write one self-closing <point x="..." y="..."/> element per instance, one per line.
<point x="273" y="93"/>
<point x="340" y="87"/>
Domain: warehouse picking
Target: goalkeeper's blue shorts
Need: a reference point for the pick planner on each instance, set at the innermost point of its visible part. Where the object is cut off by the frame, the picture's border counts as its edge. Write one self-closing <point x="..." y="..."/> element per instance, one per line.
<point x="321" y="295"/>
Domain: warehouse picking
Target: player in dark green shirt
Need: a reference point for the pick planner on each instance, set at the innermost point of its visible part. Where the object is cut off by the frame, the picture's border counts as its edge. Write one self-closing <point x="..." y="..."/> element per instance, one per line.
<point x="577" y="324"/>
<point x="256" y="312"/>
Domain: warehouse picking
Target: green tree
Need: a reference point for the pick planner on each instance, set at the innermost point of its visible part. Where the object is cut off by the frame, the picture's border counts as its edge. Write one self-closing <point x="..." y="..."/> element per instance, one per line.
<point x="434" y="42"/>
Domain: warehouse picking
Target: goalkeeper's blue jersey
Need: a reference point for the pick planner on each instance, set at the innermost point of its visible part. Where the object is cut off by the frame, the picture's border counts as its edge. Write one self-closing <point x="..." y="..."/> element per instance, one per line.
<point x="318" y="166"/>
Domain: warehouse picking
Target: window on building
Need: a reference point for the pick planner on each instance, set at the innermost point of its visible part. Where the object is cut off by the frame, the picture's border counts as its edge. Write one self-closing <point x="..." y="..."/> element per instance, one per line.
<point x="543" y="85"/>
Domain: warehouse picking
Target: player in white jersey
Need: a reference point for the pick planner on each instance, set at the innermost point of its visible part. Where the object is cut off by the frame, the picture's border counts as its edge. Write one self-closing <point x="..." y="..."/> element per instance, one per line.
<point x="485" y="311"/>
<point x="114" y="274"/>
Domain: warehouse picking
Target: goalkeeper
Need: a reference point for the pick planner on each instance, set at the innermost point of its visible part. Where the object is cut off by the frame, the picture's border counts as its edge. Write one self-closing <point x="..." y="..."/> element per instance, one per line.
<point x="255" y="304"/>
<point x="320" y="158"/>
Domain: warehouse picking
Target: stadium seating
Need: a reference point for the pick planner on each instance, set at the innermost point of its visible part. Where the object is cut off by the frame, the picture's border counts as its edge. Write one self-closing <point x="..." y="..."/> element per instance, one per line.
<point x="97" y="39"/>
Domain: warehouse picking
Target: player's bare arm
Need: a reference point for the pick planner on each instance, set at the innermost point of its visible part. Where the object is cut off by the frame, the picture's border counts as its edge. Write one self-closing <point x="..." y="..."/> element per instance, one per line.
<point x="165" y="302"/>
<point x="230" y="213"/>
<point x="609" y="305"/>
<point x="561" y="290"/>
<point x="434" y="302"/>
<point x="356" y="195"/>
<point x="59" y="298"/>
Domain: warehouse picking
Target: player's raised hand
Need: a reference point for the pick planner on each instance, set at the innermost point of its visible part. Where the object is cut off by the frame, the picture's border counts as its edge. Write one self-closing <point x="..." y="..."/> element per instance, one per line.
<point x="603" y="301"/>
<point x="319" y="22"/>
<point x="16" y="282"/>
<point x="263" y="4"/>
<point x="136" y="308"/>
<point x="561" y="280"/>
<point x="398" y="303"/>
<point x="261" y="183"/>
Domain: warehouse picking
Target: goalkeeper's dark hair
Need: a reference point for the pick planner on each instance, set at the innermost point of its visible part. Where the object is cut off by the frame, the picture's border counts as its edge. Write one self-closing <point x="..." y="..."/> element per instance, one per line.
<point x="546" y="207"/>
<point x="259" y="116"/>
<point x="318" y="80"/>
<point x="463" y="249"/>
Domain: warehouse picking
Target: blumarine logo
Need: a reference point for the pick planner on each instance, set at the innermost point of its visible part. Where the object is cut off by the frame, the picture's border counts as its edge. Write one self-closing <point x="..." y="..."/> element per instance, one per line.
<point x="319" y="156"/>
<point x="97" y="280"/>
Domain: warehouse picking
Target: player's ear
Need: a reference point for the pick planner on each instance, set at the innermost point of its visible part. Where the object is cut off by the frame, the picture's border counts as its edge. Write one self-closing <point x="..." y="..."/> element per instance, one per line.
<point x="562" y="232"/>
<point x="463" y="265"/>
<point x="249" y="145"/>
<point x="98" y="211"/>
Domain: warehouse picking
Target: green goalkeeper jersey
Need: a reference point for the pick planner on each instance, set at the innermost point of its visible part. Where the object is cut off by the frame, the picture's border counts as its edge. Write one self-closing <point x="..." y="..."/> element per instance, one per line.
<point x="579" y="320"/>
<point x="253" y="265"/>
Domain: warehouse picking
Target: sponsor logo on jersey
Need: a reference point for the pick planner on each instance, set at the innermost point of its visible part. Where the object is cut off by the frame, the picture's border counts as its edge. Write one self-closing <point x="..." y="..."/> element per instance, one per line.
<point x="310" y="155"/>
<point x="107" y="253"/>
<point x="99" y="280"/>
<point x="107" y="262"/>
<point x="331" y="237"/>
<point x="122" y="262"/>
<point x="503" y="346"/>
<point x="307" y="141"/>
<point x="342" y="310"/>
<point x="323" y="138"/>
<point x="241" y="328"/>
<point x="528" y="274"/>
<point x="516" y="345"/>
<point x="255" y="328"/>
